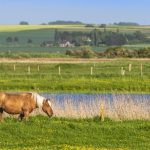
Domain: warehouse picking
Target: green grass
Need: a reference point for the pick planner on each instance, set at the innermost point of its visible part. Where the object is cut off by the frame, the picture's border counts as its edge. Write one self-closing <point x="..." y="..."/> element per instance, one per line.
<point x="76" y="78"/>
<point x="40" y="133"/>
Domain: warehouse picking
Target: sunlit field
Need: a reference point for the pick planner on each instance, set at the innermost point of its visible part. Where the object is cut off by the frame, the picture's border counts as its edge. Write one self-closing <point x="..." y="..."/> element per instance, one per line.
<point x="14" y="28"/>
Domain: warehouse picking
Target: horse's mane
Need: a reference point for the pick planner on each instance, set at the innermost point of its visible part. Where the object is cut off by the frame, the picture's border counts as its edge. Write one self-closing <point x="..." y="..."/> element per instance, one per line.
<point x="38" y="99"/>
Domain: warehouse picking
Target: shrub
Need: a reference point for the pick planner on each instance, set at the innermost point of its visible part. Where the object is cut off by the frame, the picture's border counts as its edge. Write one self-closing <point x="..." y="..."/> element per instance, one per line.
<point x="83" y="52"/>
<point x="9" y="39"/>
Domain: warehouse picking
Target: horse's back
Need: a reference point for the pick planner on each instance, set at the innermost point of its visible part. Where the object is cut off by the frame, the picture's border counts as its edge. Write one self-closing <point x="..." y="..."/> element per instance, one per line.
<point x="15" y="102"/>
<point x="17" y="97"/>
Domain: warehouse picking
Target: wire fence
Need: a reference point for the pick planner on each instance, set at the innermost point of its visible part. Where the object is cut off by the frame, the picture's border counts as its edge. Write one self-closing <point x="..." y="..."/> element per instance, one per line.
<point x="93" y="70"/>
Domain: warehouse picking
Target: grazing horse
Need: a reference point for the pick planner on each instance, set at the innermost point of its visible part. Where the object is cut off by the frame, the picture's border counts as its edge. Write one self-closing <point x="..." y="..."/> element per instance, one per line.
<point x="23" y="104"/>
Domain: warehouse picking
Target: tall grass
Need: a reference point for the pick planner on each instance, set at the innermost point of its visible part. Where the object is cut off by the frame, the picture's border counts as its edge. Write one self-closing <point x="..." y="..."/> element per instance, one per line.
<point x="120" y="107"/>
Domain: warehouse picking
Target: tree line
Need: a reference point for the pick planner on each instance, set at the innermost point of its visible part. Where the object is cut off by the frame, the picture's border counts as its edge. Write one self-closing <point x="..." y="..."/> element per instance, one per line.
<point x="126" y="24"/>
<point x="16" y="40"/>
<point x="58" y="22"/>
<point x="97" y="37"/>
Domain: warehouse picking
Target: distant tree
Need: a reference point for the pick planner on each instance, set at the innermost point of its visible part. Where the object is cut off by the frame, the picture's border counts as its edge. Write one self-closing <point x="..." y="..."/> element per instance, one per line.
<point x="56" y="36"/>
<point x="94" y="37"/>
<point x="43" y="44"/>
<point x="105" y="30"/>
<point x="29" y="41"/>
<point x="127" y="24"/>
<point x="117" y="30"/>
<point x="60" y="22"/>
<point x="9" y="39"/>
<point x="103" y="26"/>
<point x="89" y="25"/>
<point x="43" y="24"/>
<point x="16" y="39"/>
<point x="139" y="35"/>
<point x="24" y="23"/>
<point x="115" y="39"/>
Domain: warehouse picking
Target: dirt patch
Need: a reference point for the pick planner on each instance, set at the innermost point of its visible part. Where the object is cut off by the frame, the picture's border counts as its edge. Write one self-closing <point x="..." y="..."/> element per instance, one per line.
<point x="62" y="60"/>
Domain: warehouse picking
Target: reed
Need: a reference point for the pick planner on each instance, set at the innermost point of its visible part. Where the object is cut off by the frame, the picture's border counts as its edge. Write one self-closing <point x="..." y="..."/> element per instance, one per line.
<point x="121" y="107"/>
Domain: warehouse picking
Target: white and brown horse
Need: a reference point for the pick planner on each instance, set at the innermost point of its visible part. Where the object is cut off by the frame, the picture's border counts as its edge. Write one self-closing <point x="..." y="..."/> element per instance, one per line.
<point x="23" y="104"/>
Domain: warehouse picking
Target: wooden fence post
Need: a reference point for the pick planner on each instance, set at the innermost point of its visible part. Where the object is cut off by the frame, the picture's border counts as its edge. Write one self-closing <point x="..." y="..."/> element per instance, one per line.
<point x="38" y="68"/>
<point x="14" y="67"/>
<point x="130" y="67"/>
<point x="91" y="70"/>
<point x="29" y="70"/>
<point x="122" y="71"/>
<point x="141" y="68"/>
<point x="59" y="70"/>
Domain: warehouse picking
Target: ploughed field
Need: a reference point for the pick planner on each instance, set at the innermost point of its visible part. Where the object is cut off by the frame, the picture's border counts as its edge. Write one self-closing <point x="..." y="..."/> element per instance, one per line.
<point x="118" y="76"/>
<point x="40" y="133"/>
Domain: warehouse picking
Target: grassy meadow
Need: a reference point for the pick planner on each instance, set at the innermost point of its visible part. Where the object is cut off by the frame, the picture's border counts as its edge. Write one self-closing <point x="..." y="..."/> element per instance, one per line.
<point x="76" y="78"/>
<point x="40" y="133"/>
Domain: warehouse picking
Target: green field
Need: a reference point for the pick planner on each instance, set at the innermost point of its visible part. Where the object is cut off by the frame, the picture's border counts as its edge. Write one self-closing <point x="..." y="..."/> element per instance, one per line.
<point x="40" y="33"/>
<point x="15" y="28"/>
<point x="40" y="133"/>
<point x="76" y="78"/>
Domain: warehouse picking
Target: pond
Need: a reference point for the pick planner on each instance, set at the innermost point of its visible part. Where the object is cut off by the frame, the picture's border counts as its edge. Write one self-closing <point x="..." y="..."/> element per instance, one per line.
<point x="115" y="106"/>
<point x="92" y="97"/>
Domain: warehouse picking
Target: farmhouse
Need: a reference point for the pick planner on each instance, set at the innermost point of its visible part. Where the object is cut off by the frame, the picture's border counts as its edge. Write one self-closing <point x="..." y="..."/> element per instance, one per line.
<point x="66" y="44"/>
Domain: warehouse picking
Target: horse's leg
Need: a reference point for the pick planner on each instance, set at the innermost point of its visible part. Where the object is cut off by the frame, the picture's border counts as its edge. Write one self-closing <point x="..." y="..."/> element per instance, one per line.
<point x="26" y="114"/>
<point x="1" y="113"/>
<point x="21" y="116"/>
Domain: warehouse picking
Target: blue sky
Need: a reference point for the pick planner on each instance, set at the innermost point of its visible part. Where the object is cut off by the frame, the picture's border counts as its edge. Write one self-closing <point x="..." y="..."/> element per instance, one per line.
<point x="89" y="11"/>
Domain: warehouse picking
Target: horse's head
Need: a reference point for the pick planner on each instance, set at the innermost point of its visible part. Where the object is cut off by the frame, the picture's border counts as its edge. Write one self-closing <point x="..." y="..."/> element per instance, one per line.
<point x="47" y="107"/>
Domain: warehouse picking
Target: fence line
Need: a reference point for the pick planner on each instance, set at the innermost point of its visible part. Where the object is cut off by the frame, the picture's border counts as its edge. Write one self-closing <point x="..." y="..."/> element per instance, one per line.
<point x="128" y="70"/>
